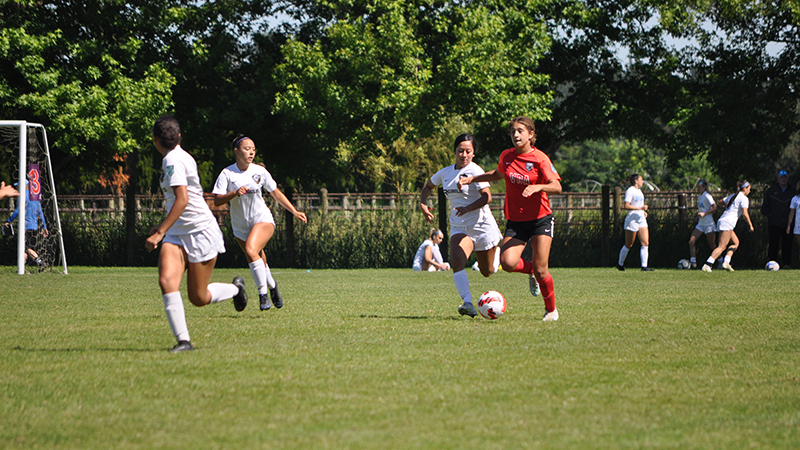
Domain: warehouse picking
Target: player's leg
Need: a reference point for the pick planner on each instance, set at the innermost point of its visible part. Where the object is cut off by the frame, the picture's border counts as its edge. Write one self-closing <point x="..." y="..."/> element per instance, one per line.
<point x="487" y="260"/>
<point x="253" y="247"/>
<point x="541" y="244"/>
<point x="171" y="265"/>
<point x="693" y="245"/>
<point x="630" y="238"/>
<point x="732" y="246"/>
<point x="644" y="251"/>
<point x="724" y="238"/>
<point x="461" y="246"/>
<point x="511" y="256"/>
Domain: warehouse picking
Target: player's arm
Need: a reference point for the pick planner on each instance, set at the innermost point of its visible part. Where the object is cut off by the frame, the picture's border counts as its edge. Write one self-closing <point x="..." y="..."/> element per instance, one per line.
<point x="429" y="259"/>
<point x="552" y="186"/>
<point x="628" y="205"/>
<point x="7" y="190"/>
<point x="789" y="224"/>
<point x="221" y="199"/>
<point x="283" y="201"/>
<point x="157" y="233"/>
<point x="485" y="198"/>
<point x="492" y="175"/>
<point x="423" y="199"/>
<point x="746" y="216"/>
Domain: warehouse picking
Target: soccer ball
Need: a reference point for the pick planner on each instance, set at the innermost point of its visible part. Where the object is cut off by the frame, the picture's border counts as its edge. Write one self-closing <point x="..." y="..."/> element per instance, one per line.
<point x="683" y="264"/>
<point x="492" y="305"/>
<point x="772" y="266"/>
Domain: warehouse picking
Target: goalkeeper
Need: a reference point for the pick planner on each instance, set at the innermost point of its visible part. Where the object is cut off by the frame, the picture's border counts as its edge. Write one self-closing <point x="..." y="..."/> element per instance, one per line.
<point x="33" y="214"/>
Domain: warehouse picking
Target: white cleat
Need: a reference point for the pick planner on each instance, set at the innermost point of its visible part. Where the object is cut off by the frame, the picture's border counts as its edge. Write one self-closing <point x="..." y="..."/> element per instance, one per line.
<point x="551" y="316"/>
<point x="727" y="266"/>
<point x="533" y="285"/>
<point x="706" y="268"/>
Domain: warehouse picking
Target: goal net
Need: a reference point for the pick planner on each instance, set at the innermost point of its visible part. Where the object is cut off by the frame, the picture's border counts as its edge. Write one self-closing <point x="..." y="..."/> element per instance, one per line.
<point x="36" y="224"/>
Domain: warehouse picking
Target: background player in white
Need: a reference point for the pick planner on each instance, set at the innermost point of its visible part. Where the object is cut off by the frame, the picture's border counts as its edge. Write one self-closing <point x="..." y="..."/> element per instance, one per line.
<point x="472" y="225"/>
<point x="191" y="236"/>
<point x="705" y="222"/>
<point x="428" y="257"/>
<point x="735" y="206"/>
<point x="635" y="223"/>
<point x="252" y="221"/>
<point x="794" y="214"/>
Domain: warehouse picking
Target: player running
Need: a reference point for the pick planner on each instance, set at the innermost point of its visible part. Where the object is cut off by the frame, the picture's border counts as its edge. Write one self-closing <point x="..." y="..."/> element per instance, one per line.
<point x="472" y="225"/>
<point x="705" y="222"/>
<point x="794" y="214"/>
<point x="190" y="236"/>
<point x="736" y="206"/>
<point x="252" y="221"/>
<point x="529" y="176"/>
<point x="635" y="224"/>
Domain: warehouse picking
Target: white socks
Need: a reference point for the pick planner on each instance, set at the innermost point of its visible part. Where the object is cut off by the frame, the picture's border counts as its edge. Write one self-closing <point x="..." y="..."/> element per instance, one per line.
<point x="222" y="291"/>
<point x="462" y="285"/>
<point x="496" y="260"/>
<point x="623" y="253"/>
<point x="727" y="259"/>
<point x="173" y="306"/>
<point x="644" y="254"/>
<point x="261" y="275"/>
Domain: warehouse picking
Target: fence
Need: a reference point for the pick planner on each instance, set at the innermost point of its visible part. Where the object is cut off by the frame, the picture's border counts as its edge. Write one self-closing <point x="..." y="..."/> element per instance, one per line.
<point x="589" y="224"/>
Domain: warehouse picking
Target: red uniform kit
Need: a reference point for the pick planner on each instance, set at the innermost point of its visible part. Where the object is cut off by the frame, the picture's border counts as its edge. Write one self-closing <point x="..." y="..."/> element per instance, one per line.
<point x="520" y="171"/>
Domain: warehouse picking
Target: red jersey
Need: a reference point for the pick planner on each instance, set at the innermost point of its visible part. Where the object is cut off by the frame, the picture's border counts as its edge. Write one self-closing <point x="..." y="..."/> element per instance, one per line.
<point x="519" y="171"/>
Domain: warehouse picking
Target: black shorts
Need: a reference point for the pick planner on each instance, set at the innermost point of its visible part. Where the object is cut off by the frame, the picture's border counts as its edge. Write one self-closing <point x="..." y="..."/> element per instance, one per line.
<point x="524" y="231"/>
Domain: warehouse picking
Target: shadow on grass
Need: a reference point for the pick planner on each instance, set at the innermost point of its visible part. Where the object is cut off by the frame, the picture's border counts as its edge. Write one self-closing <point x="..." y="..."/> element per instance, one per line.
<point x="375" y="316"/>
<point x="79" y="349"/>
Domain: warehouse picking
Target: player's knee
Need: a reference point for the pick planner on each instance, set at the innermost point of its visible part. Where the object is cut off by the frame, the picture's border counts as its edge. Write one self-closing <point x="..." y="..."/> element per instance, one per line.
<point x="197" y="299"/>
<point x="487" y="271"/>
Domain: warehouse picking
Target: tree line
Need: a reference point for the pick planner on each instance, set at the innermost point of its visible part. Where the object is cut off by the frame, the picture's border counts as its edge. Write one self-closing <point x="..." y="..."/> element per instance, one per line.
<point x="368" y="95"/>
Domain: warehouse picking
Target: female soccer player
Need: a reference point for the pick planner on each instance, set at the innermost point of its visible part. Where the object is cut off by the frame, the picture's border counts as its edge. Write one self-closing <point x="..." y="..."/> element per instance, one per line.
<point x="635" y="223"/>
<point x="252" y="221"/>
<point x="472" y="225"/>
<point x="428" y="257"/>
<point x="736" y="206"/>
<point x="190" y="234"/>
<point x="705" y="222"/>
<point x="529" y="176"/>
<point x="794" y="214"/>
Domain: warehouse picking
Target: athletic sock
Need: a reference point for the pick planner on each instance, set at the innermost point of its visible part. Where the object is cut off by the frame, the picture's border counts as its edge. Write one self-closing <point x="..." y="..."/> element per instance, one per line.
<point x="496" y="259"/>
<point x="548" y="293"/>
<point x="644" y="253"/>
<point x="173" y="306"/>
<point x="727" y="259"/>
<point x="693" y="260"/>
<point x="623" y="253"/>
<point x="270" y="281"/>
<point x="222" y="291"/>
<point x="462" y="285"/>
<point x="524" y="266"/>
<point x="710" y="261"/>
<point x="259" y="272"/>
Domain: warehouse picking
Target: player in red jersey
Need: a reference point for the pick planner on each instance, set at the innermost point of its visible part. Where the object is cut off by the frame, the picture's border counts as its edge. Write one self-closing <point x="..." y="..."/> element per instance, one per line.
<point x="530" y="176"/>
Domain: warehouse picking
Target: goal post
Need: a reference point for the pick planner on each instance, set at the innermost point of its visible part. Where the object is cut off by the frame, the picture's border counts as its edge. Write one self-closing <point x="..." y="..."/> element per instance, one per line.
<point x="35" y="183"/>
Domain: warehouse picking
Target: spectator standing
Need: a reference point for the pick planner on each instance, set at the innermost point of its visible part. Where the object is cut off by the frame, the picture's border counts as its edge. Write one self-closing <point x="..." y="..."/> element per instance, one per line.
<point x="776" y="207"/>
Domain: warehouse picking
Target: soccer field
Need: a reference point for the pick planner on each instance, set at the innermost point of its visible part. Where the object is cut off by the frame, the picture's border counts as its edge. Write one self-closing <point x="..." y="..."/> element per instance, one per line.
<point x="380" y="359"/>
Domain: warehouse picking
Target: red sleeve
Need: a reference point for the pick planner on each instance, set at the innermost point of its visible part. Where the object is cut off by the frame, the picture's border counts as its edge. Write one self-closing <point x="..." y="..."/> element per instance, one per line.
<point x="548" y="170"/>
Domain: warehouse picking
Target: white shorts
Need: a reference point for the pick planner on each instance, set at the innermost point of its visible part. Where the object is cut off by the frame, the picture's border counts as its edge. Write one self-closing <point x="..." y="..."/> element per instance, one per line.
<point x="706" y="229"/>
<point x="200" y="246"/>
<point x="796" y="227"/>
<point x="484" y="235"/>
<point x="264" y="216"/>
<point x="634" y="222"/>
<point x="725" y="225"/>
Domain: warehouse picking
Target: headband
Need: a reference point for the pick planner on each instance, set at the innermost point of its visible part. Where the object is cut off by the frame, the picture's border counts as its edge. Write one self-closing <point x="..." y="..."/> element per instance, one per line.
<point x="746" y="184"/>
<point x="240" y="140"/>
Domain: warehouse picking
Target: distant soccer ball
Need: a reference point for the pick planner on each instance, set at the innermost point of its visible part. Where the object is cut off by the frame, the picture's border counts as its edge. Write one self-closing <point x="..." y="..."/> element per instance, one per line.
<point x="772" y="266"/>
<point x="683" y="264"/>
<point x="492" y="305"/>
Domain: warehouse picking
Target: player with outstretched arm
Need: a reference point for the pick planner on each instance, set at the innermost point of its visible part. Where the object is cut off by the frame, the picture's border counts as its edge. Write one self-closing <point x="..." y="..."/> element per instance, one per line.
<point x="252" y="221"/>
<point x="190" y="236"/>
<point x="735" y="206"/>
<point x="472" y="225"/>
<point x="529" y="176"/>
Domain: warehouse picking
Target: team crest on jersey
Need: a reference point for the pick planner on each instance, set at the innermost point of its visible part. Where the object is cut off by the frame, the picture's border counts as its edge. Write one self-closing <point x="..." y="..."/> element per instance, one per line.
<point x="257" y="178"/>
<point x="553" y="168"/>
<point x="529" y="166"/>
<point x="169" y="171"/>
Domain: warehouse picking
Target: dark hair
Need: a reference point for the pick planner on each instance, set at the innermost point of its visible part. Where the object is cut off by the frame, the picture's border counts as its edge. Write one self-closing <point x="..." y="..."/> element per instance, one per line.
<point x="466" y="137"/>
<point x="739" y="186"/>
<point x="528" y="122"/>
<point x="168" y="131"/>
<point x="238" y="140"/>
<point x="633" y="177"/>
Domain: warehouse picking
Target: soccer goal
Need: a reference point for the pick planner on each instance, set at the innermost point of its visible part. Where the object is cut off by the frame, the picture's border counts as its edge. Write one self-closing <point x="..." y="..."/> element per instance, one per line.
<point x="37" y="225"/>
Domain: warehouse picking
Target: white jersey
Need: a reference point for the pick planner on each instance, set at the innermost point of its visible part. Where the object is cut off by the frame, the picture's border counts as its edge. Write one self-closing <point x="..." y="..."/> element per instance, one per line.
<point x="468" y="194"/>
<point x="704" y="204"/>
<point x="635" y="197"/>
<point x="420" y="255"/>
<point x="250" y="206"/>
<point x="730" y="216"/>
<point x="178" y="168"/>
<point x="795" y="205"/>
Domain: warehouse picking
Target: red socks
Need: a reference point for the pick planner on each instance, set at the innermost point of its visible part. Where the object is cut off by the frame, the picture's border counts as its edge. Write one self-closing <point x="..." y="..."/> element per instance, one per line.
<point x="524" y="267"/>
<point x="548" y="293"/>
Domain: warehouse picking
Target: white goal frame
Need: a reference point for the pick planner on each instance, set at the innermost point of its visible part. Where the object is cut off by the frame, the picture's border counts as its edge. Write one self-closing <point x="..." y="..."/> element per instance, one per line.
<point x="22" y="199"/>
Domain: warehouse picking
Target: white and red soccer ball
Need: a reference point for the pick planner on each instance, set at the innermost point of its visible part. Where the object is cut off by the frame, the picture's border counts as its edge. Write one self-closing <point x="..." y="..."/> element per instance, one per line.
<point x="492" y="305"/>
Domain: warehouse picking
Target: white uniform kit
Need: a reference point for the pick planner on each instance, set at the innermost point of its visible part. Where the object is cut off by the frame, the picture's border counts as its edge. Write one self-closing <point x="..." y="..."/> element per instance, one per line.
<point x="704" y="204"/>
<point x="196" y="230"/>
<point x="727" y="221"/>
<point x="795" y="205"/>
<point x="420" y="256"/>
<point x="479" y="224"/>
<point x="636" y="217"/>
<point x="250" y="208"/>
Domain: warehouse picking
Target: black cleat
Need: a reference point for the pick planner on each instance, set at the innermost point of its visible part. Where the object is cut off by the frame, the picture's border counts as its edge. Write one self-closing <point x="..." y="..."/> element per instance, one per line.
<point x="240" y="299"/>
<point x="264" y="300"/>
<point x="620" y="268"/>
<point x="277" y="300"/>
<point x="182" y="346"/>
<point x="647" y="269"/>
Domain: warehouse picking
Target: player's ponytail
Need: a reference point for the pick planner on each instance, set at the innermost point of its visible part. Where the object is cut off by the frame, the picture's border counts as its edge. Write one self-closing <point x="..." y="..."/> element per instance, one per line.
<point x="632" y="178"/>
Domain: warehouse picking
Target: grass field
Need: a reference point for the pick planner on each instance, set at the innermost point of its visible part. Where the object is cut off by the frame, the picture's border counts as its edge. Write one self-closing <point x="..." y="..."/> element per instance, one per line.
<point x="380" y="359"/>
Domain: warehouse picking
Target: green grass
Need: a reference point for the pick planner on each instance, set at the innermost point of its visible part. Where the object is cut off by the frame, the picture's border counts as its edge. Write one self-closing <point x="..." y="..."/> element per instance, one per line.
<point x="380" y="359"/>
